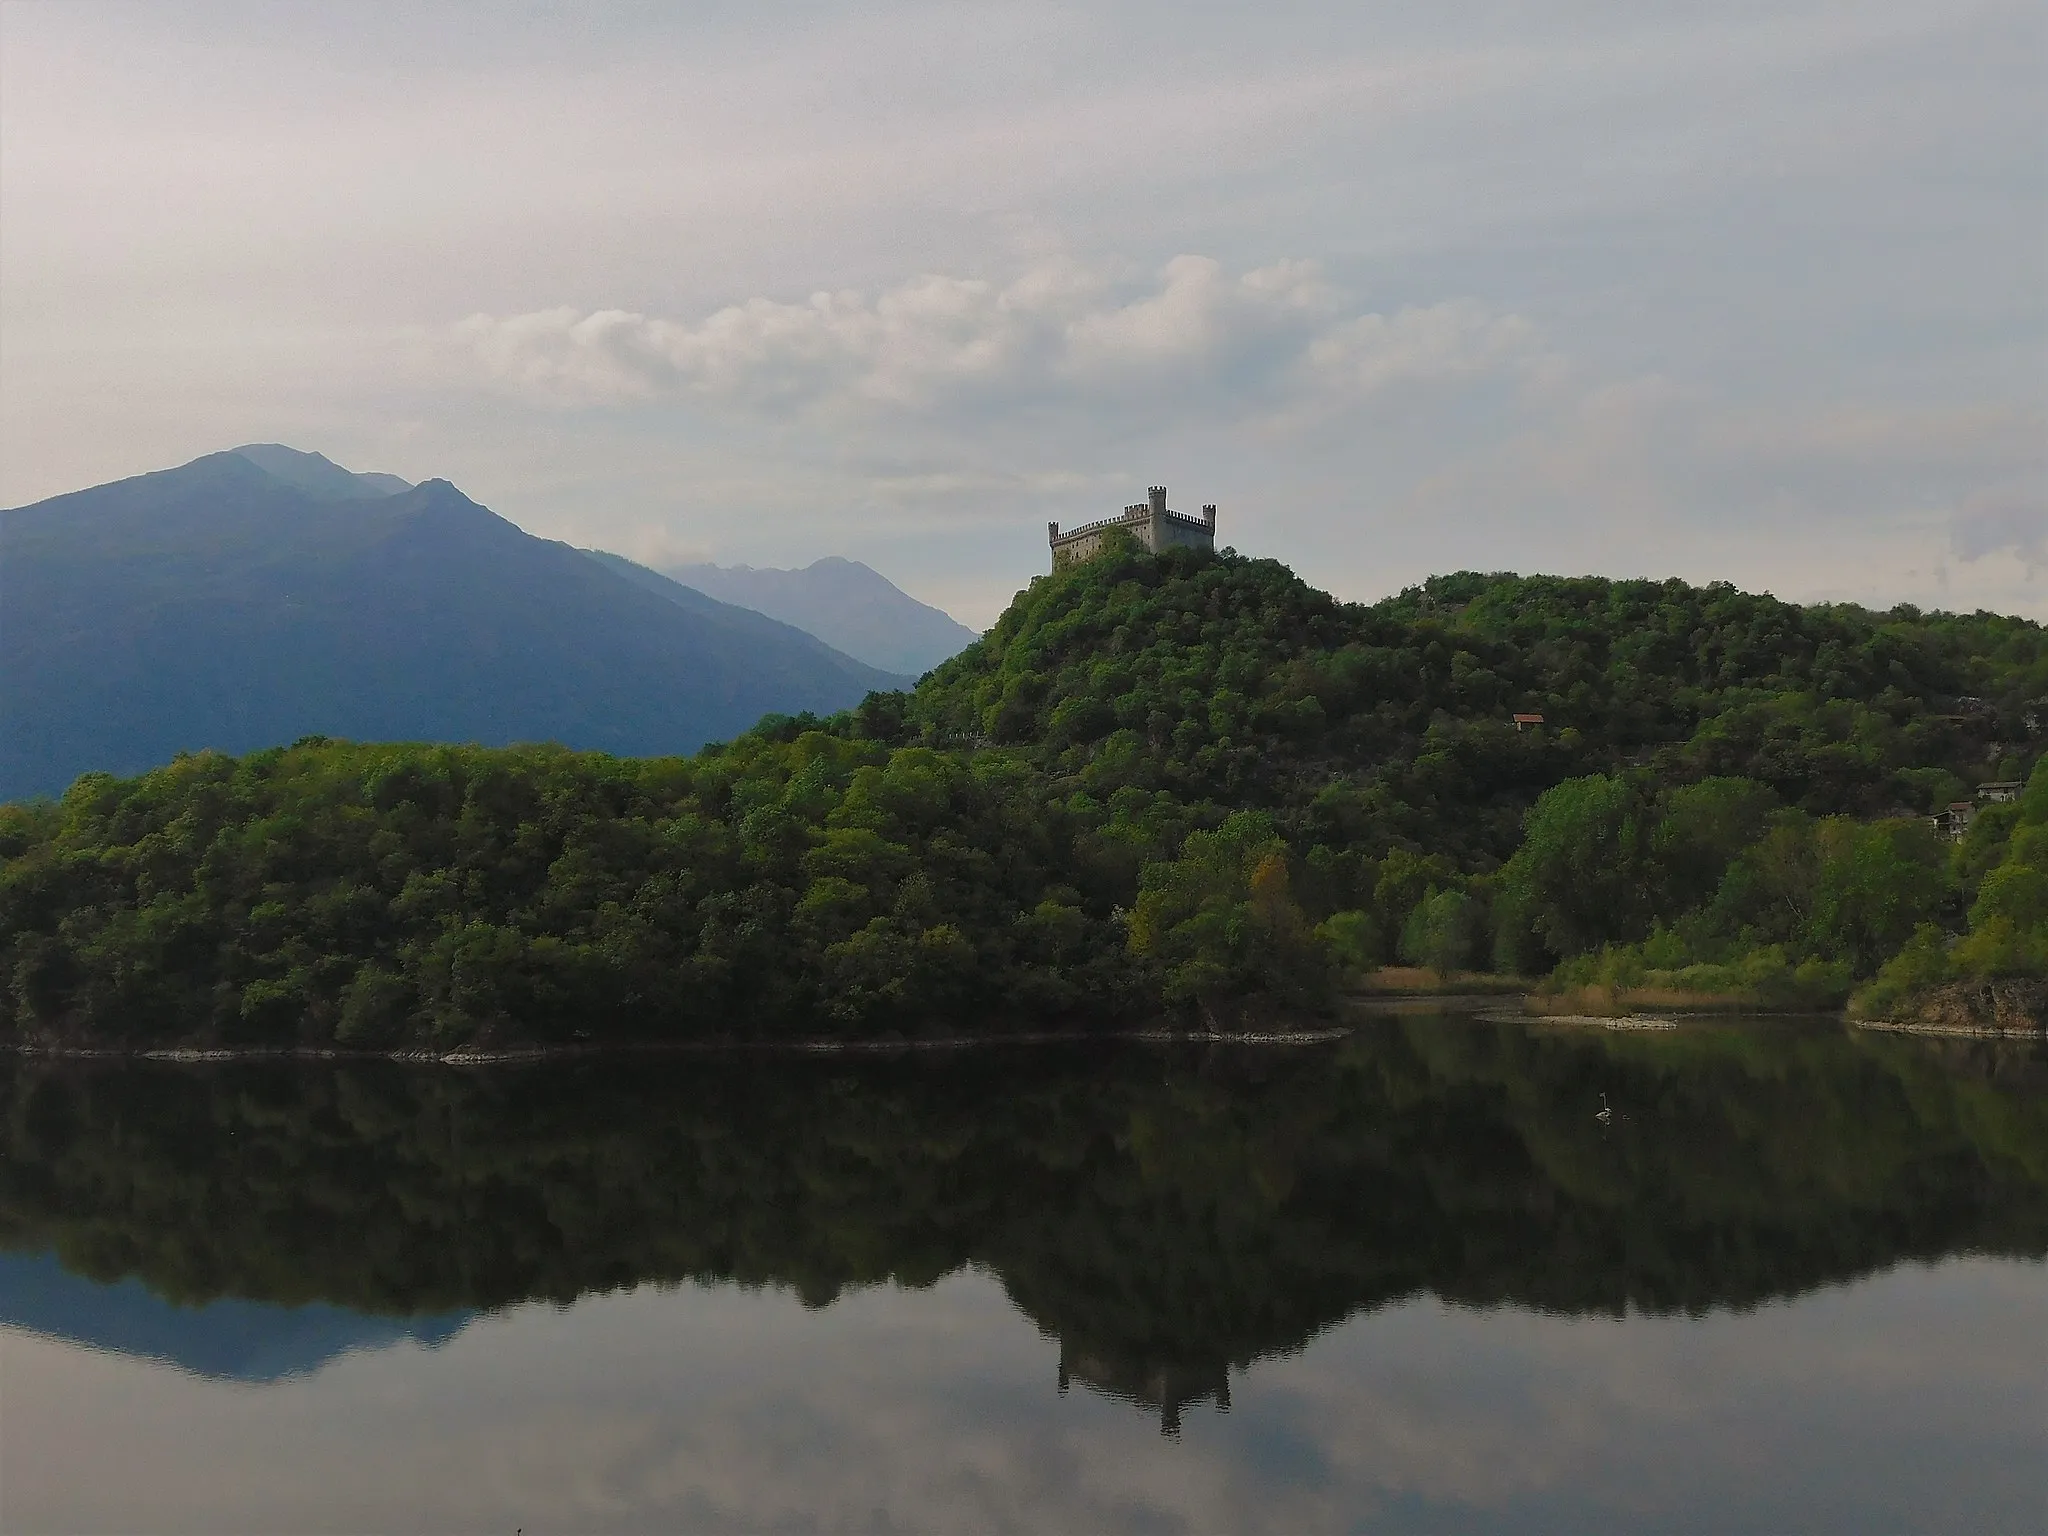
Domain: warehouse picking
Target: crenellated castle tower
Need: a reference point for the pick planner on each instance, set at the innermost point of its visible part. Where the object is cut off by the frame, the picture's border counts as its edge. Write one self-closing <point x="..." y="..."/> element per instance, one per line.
<point x="1148" y="521"/>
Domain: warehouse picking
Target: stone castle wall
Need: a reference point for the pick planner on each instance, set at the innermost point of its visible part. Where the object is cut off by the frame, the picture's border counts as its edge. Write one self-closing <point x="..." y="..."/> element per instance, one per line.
<point x="1150" y="522"/>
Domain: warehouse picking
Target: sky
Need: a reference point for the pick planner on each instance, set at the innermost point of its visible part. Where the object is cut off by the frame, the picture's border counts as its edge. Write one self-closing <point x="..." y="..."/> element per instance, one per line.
<point x="1744" y="292"/>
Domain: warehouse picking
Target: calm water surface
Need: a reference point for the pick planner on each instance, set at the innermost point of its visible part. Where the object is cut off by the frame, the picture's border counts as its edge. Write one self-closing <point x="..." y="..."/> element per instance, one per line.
<point x="1407" y="1280"/>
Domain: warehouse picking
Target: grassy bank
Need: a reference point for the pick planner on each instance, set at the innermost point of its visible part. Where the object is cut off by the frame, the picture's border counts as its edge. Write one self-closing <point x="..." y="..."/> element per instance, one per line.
<point x="1605" y="1002"/>
<point x="1420" y="981"/>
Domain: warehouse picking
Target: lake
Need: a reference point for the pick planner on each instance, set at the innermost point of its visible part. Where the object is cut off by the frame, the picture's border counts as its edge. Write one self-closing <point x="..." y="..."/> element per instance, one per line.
<point x="1797" y="1279"/>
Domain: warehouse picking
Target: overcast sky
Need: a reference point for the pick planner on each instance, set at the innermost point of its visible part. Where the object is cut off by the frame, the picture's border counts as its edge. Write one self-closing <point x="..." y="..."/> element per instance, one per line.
<point x="1736" y="291"/>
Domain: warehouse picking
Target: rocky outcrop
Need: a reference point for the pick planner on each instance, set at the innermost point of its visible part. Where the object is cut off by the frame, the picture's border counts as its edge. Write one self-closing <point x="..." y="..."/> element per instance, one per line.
<point x="2014" y="1006"/>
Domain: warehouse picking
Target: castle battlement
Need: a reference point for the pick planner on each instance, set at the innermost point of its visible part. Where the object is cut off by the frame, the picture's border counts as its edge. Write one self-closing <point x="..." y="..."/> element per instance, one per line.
<point x="1151" y="522"/>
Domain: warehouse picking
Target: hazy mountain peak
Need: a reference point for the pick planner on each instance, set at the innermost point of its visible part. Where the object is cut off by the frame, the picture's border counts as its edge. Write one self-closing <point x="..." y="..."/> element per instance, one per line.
<point x="850" y="606"/>
<point x="316" y="475"/>
<point x="221" y="604"/>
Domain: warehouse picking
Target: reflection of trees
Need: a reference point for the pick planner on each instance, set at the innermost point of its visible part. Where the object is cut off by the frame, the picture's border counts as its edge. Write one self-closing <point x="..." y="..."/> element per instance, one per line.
<point x="1168" y="1214"/>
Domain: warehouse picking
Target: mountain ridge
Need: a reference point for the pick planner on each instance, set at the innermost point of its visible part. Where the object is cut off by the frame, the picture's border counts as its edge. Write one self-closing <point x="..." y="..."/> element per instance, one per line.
<point x="217" y="605"/>
<point x="845" y="603"/>
<point x="317" y="475"/>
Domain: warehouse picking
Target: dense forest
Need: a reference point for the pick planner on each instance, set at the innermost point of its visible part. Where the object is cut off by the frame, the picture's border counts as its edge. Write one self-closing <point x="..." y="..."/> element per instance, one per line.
<point x="1190" y="786"/>
<point x="1263" y="1193"/>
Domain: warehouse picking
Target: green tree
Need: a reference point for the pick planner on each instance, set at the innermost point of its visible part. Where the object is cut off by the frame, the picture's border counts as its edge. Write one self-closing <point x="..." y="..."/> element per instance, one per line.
<point x="1578" y="878"/>
<point x="1444" y="932"/>
<point x="1876" y="885"/>
<point x="1353" y="939"/>
<point x="1700" y="830"/>
<point x="1221" y="921"/>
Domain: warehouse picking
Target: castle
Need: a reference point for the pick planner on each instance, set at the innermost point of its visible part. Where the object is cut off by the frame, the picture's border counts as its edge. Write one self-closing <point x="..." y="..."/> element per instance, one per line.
<point x="1148" y="522"/>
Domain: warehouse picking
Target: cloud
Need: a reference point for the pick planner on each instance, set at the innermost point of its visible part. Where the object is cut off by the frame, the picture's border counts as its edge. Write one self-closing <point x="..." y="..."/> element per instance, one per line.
<point x="1273" y="336"/>
<point x="1790" y="262"/>
<point x="1459" y="339"/>
<point x="2002" y="519"/>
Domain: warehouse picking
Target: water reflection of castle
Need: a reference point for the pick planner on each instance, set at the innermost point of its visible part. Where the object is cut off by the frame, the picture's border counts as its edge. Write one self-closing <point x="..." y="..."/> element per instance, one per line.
<point x="1168" y="1388"/>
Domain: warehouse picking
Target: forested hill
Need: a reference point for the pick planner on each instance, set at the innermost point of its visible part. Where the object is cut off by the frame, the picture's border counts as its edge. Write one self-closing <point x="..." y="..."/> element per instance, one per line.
<point x="1189" y="784"/>
<point x="1233" y="680"/>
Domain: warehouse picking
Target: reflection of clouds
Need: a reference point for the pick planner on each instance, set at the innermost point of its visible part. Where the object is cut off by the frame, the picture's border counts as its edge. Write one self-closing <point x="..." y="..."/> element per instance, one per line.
<point x="1898" y="1401"/>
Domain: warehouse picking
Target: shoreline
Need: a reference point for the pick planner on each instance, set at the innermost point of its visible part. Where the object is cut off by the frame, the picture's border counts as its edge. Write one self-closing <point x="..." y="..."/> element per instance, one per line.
<point x="1601" y="1020"/>
<point x="198" y="1055"/>
<point x="1958" y="1031"/>
<point x="1482" y="1007"/>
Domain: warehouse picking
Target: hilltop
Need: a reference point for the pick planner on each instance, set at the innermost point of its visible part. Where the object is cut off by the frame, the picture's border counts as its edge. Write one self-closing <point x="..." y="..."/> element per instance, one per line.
<point x="1232" y="679"/>
<point x="1187" y="786"/>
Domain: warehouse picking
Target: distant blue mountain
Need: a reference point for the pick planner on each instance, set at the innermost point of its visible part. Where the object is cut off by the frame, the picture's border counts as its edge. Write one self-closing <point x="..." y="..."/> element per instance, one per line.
<point x="317" y="475"/>
<point x="741" y="615"/>
<point x="844" y="603"/>
<point x="250" y="598"/>
<point x="232" y="1340"/>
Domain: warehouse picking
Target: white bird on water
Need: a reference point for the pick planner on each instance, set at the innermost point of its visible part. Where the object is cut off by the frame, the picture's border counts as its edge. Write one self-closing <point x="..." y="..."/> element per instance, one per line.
<point x="1605" y="1114"/>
